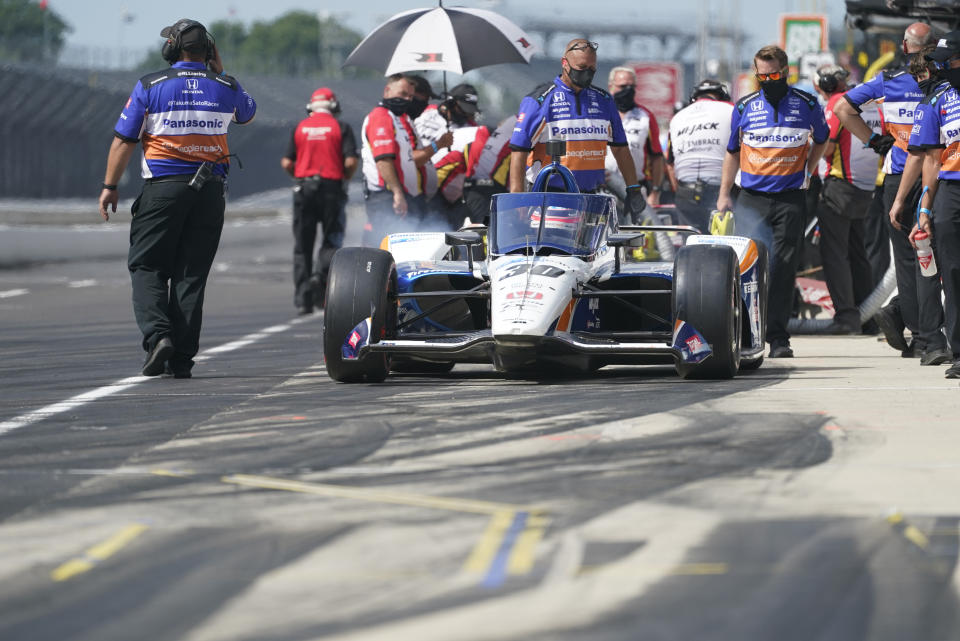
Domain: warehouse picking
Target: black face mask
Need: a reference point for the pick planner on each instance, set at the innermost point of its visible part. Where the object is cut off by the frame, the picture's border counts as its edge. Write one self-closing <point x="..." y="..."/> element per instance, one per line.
<point x="950" y="75"/>
<point x="458" y="117"/>
<point x="581" y="77"/>
<point x="774" y="90"/>
<point x="624" y="98"/>
<point x="398" y="106"/>
<point x="417" y="107"/>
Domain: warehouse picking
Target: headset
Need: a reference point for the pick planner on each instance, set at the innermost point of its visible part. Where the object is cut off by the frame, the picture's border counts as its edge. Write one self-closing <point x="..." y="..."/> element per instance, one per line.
<point x="710" y="86"/>
<point x="173" y="46"/>
<point x="828" y="77"/>
<point x="333" y="108"/>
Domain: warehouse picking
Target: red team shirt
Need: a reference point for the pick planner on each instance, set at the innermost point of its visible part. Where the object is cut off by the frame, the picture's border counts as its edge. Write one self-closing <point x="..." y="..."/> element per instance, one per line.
<point x="319" y="145"/>
<point x="386" y="135"/>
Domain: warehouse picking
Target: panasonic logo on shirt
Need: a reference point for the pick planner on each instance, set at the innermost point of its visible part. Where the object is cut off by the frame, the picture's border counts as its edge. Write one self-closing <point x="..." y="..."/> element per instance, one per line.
<point x="757" y="138"/>
<point x="576" y="131"/>
<point x="179" y="124"/>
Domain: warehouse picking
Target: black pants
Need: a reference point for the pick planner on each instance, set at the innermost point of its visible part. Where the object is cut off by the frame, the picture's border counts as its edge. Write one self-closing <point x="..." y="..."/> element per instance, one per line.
<point x="842" y="251"/>
<point x="876" y="237"/>
<point x="174" y="236"/>
<point x="946" y="231"/>
<point x="776" y="220"/>
<point x="316" y="202"/>
<point x="382" y="220"/>
<point x="918" y="297"/>
<point x="695" y="202"/>
<point x="477" y="199"/>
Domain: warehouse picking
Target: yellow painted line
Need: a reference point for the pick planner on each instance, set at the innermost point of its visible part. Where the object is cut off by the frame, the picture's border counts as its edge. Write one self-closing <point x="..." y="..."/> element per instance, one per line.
<point x="486" y="548"/>
<point x="71" y="569"/>
<point x="374" y="495"/>
<point x="895" y="518"/>
<point x="916" y="537"/>
<point x="99" y="552"/>
<point x="173" y="473"/>
<point x="524" y="550"/>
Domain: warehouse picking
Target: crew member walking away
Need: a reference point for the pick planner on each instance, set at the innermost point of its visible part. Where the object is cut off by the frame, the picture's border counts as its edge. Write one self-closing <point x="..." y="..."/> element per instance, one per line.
<point x="851" y="175"/>
<point x="936" y="135"/>
<point x="696" y="146"/>
<point x="181" y="115"/>
<point x="321" y="156"/>
<point x="585" y="117"/>
<point x="393" y="164"/>
<point x="770" y="131"/>
<point x="917" y="305"/>
<point x="643" y="135"/>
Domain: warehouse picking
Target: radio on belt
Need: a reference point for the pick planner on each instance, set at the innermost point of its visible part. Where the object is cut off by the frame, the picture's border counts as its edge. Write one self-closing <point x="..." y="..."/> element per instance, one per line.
<point x="204" y="172"/>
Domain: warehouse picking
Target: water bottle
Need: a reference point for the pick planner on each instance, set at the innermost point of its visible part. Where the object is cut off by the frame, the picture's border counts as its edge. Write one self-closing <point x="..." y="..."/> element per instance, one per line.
<point x="928" y="264"/>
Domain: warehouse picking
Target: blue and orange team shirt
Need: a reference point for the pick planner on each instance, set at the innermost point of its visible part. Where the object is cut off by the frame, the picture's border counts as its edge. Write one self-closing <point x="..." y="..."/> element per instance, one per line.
<point x="898" y="95"/>
<point x="937" y="126"/>
<point x="181" y="116"/>
<point x="587" y="121"/>
<point x="851" y="160"/>
<point x="773" y="141"/>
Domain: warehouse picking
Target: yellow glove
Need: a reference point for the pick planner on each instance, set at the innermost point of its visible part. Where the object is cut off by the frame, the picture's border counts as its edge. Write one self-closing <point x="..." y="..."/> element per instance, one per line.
<point x="721" y="223"/>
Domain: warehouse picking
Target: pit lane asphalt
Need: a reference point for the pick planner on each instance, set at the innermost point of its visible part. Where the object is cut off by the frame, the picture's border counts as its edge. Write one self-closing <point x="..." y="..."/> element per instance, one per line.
<point x="813" y="499"/>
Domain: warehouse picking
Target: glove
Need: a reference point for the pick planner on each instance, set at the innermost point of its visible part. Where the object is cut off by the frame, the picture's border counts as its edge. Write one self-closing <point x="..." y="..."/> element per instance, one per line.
<point x="721" y="223"/>
<point x="880" y="144"/>
<point x="636" y="201"/>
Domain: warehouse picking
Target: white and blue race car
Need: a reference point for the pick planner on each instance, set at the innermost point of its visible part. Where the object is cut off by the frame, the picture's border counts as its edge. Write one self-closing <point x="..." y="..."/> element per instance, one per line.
<point x="546" y="288"/>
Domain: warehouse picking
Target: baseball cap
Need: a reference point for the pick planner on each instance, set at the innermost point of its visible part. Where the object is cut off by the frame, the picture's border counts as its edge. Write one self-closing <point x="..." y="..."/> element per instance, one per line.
<point x="466" y="97"/>
<point x="947" y="47"/>
<point x="193" y="33"/>
<point x="322" y="94"/>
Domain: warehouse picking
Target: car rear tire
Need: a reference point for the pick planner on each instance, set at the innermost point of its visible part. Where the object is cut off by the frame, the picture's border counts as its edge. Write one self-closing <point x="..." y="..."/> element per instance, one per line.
<point x="362" y="283"/>
<point x="706" y="294"/>
<point x="763" y="262"/>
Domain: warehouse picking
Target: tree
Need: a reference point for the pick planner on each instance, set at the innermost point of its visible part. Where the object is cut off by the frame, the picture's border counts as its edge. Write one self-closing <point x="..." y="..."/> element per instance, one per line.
<point x="295" y="43"/>
<point x="30" y="31"/>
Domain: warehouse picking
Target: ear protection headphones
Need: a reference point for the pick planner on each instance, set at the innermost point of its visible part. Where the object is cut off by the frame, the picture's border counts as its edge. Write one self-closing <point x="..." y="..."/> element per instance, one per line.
<point x="829" y="76"/>
<point x="173" y="46"/>
<point x="332" y="105"/>
<point x="712" y="87"/>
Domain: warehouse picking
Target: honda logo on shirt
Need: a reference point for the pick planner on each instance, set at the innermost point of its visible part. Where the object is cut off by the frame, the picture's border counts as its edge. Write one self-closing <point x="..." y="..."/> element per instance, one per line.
<point x="193" y="84"/>
<point x="756" y="105"/>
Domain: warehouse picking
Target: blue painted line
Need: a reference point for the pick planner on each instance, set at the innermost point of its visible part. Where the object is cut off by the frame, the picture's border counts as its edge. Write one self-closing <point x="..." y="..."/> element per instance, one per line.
<point x="498" y="568"/>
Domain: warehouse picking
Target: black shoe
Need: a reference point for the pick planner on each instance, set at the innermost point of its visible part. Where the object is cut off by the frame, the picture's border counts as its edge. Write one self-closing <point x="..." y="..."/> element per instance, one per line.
<point x="780" y="350"/>
<point x="953" y="371"/>
<point x="303" y="310"/>
<point x="157" y="358"/>
<point x="177" y="371"/>
<point x="870" y="328"/>
<point x="937" y="356"/>
<point x="892" y="327"/>
<point x="841" y="329"/>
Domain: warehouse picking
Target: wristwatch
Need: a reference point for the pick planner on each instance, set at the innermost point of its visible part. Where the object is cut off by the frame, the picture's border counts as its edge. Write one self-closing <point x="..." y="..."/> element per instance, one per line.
<point x="654" y="188"/>
<point x="109" y="187"/>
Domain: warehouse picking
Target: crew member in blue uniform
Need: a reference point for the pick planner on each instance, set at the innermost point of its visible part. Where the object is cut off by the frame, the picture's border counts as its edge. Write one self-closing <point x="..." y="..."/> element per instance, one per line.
<point x="936" y="135"/>
<point x="770" y="132"/>
<point x="585" y="117"/>
<point x="181" y="115"/>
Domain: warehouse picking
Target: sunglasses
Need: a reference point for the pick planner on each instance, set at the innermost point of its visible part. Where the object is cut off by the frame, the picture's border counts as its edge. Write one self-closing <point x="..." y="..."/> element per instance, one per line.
<point x="583" y="46"/>
<point x="776" y="75"/>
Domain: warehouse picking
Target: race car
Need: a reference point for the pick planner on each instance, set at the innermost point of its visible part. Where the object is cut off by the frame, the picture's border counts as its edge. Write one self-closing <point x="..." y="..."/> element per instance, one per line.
<point x="547" y="288"/>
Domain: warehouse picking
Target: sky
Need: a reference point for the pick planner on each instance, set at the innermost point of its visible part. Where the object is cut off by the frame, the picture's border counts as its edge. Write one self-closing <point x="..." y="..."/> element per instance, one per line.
<point x="100" y="23"/>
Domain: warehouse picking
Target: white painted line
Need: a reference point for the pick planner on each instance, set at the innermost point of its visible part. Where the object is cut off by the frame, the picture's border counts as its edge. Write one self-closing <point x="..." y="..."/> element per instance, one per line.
<point x="10" y="293"/>
<point x="76" y="284"/>
<point x="126" y="383"/>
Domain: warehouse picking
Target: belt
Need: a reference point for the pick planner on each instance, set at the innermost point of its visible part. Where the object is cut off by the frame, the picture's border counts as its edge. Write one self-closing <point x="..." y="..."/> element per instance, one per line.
<point x="181" y="178"/>
<point x="700" y="184"/>
<point x="318" y="178"/>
